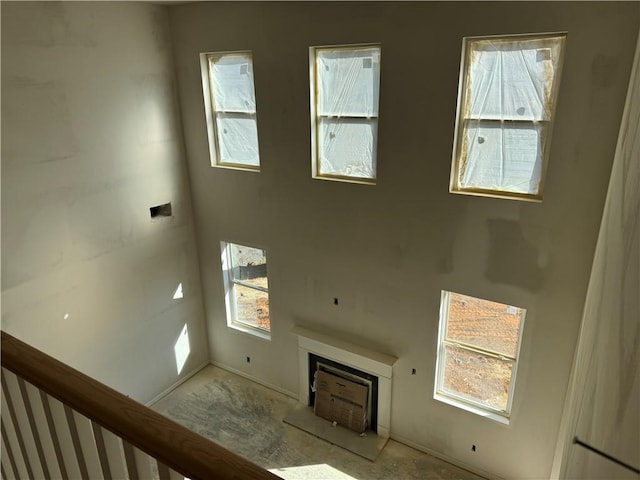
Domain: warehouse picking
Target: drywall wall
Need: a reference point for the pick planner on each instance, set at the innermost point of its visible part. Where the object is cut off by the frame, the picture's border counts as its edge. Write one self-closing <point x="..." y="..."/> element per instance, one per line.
<point x="603" y="405"/>
<point x="387" y="251"/>
<point x="91" y="140"/>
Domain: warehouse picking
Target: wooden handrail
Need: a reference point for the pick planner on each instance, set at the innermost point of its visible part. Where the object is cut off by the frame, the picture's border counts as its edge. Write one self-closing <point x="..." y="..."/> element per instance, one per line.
<point x="172" y="444"/>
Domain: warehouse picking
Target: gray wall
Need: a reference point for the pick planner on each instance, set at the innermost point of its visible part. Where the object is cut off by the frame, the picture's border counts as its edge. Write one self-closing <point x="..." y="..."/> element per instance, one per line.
<point x="603" y="407"/>
<point x="91" y="139"/>
<point x="386" y="251"/>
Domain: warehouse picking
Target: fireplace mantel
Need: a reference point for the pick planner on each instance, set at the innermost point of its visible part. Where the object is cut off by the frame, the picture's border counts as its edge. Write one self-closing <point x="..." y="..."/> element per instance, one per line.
<point x="347" y="353"/>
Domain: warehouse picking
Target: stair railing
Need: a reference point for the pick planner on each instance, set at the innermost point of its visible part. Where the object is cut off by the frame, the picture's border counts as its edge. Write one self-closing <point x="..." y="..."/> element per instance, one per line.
<point x="59" y="423"/>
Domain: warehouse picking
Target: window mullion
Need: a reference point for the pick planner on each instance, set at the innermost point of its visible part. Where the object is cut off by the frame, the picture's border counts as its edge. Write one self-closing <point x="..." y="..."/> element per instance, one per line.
<point x="466" y="346"/>
<point x="348" y="117"/>
<point x="496" y="121"/>
<point x="250" y="285"/>
<point x="236" y="112"/>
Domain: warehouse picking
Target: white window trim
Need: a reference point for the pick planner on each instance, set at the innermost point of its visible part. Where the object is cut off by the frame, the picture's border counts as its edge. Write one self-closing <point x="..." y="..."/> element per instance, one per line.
<point x="210" y="114"/>
<point x="470" y="405"/>
<point x="229" y="296"/>
<point x="315" y="131"/>
<point x="454" y="186"/>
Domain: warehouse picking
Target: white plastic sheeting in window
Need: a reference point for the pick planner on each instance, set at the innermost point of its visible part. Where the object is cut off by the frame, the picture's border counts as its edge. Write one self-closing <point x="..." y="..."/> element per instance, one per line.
<point x="518" y="151"/>
<point x="509" y="88"/>
<point x="238" y="139"/>
<point x="348" y="147"/>
<point x="347" y="83"/>
<point x="233" y="106"/>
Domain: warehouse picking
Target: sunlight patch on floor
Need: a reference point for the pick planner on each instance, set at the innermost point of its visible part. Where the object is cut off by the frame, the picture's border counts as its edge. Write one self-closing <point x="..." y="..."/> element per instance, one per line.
<point x="311" y="472"/>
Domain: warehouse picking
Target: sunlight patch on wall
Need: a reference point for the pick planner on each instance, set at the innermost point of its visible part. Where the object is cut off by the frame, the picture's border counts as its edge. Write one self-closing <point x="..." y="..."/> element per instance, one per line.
<point x="311" y="472"/>
<point x="178" y="293"/>
<point x="181" y="349"/>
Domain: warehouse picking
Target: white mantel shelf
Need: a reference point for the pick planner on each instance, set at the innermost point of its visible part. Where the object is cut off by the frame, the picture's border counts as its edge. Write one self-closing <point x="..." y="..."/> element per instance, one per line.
<point x="381" y="363"/>
<point x="347" y="353"/>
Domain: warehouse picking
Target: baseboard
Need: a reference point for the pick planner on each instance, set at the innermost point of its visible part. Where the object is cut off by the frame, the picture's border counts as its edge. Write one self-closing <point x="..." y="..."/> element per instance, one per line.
<point x="446" y="458"/>
<point x="167" y="391"/>
<point x="256" y="380"/>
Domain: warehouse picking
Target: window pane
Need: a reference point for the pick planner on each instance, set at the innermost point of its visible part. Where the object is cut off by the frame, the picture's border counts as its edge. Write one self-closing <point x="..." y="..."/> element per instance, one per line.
<point x="503" y="157"/>
<point x="349" y="81"/>
<point x="249" y="265"/>
<point x="252" y="306"/>
<point x="238" y="139"/>
<point x="347" y="147"/>
<point x="511" y="79"/>
<point x="488" y="325"/>
<point x="477" y="377"/>
<point x="232" y="82"/>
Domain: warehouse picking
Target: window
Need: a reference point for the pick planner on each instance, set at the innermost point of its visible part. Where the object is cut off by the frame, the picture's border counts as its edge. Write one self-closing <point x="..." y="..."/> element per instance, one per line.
<point x="507" y="96"/>
<point x="230" y="106"/>
<point x="478" y="347"/>
<point x="246" y="288"/>
<point x="345" y="84"/>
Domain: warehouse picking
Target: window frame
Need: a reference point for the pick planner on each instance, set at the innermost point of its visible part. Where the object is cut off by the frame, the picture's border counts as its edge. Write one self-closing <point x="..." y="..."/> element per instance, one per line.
<point x="230" y="298"/>
<point x="461" y="401"/>
<point x="211" y="112"/>
<point x="461" y="122"/>
<point x="315" y="116"/>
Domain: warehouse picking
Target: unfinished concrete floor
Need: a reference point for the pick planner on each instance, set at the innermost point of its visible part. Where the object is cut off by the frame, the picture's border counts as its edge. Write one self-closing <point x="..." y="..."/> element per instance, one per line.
<point x="247" y="418"/>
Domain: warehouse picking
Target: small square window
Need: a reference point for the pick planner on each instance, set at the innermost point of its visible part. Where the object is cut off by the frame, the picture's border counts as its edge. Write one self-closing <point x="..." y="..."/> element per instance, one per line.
<point x="345" y="86"/>
<point x="230" y="106"/>
<point x="246" y="288"/>
<point x="506" y="103"/>
<point x="478" y="346"/>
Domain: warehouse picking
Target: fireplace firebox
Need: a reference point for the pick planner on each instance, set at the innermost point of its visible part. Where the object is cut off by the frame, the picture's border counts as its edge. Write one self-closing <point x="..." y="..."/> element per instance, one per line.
<point x="317" y="362"/>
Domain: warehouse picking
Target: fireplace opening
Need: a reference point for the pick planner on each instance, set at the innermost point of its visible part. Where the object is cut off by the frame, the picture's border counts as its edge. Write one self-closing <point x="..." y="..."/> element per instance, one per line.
<point x="317" y="362"/>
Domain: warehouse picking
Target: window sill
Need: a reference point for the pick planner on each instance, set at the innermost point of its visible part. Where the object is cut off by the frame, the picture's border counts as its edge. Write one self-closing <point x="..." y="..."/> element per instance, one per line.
<point x="250" y="330"/>
<point x="471" y="408"/>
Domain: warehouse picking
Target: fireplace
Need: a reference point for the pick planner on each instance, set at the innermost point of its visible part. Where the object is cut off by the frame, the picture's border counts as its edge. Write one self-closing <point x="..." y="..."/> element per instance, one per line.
<point x="335" y="354"/>
<point x="317" y="362"/>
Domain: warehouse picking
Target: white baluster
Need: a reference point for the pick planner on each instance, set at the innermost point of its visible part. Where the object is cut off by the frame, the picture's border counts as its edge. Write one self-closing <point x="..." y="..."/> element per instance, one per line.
<point x="26" y="444"/>
<point x="6" y="457"/>
<point x="42" y="428"/>
<point x="143" y="463"/>
<point x="115" y="455"/>
<point x="65" y="440"/>
<point x="89" y="449"/>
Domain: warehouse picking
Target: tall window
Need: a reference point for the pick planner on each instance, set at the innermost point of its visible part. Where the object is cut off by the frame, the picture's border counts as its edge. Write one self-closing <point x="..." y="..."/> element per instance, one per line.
<point x="506" y="101"/>
<point x="246" y="288"/>
<point x="479" y="342"/>
<point x="230" y="106"/>
<point x="345" y="85"/>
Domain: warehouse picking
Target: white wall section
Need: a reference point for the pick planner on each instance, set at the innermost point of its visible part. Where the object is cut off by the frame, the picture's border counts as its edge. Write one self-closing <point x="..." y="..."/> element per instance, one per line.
<point x="90" y="141"/>
<point x="387" y="251"/>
